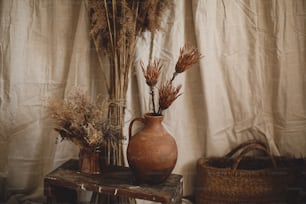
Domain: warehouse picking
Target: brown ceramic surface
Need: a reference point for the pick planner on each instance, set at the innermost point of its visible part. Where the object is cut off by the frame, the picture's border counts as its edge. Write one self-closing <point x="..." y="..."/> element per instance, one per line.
<point x="152" y="152"/>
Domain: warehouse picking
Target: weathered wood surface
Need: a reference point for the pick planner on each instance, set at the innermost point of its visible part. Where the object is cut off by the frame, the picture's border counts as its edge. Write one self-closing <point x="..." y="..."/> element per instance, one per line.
<point x="117" y="181"/>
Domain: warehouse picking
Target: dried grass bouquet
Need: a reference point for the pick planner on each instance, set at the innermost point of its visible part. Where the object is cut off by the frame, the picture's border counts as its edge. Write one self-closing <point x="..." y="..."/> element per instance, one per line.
<point x="115" y="26"/>
<point x="79" y="120"/>
<point x="167" y="92"/>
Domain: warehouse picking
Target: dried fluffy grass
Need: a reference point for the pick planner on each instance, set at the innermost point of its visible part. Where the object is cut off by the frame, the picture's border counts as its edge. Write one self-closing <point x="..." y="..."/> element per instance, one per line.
<point x="125" y="19"/>
<point x="79" y="120"/>
<point x="115" y="26"/>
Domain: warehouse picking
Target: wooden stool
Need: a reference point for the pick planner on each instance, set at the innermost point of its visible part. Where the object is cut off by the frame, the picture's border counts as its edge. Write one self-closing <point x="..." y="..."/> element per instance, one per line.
<point x="61" y="185"/>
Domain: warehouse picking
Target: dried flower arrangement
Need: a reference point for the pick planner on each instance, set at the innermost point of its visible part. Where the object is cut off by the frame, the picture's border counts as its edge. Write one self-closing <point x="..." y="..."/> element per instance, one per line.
<point x="79" y="120"/>
<point x="115" y="26"/>
<point x="167" y="92"/>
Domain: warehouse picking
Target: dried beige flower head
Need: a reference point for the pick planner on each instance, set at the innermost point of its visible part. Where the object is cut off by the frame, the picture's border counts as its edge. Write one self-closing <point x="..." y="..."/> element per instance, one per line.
<point x="167" y="94"/>
<point x="188" y="56"/>
<point x="95" y="136"/>
<point x="152" y="72"/>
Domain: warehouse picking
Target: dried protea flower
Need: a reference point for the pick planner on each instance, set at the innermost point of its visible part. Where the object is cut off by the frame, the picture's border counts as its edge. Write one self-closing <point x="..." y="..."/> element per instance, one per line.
<point x="167" y="94"/>
<point x="151" y="75"/>
<point x="188" y="56"/>
<point x="152" y="72"/>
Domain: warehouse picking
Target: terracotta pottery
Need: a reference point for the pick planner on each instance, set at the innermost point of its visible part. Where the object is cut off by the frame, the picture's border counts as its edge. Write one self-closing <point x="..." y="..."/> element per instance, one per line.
<point x="89" y="161"/>
<point x="152" y="152"/>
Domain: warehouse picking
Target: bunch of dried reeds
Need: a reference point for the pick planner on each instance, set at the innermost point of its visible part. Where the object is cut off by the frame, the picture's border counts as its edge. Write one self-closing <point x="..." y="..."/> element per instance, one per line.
<point x="115" y="27"/>
<point x="168" y="93"/>
<point x="79" y="120"/>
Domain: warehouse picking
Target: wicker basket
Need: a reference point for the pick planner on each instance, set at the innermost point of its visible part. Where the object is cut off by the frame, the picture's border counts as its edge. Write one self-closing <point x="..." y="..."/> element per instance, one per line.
<point x="243" y="179"/>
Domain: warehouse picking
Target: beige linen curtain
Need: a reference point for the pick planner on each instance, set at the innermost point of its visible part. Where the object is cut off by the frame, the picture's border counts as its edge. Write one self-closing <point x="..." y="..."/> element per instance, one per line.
<point x="45" y="51"/>
<point x="253" y="77"/>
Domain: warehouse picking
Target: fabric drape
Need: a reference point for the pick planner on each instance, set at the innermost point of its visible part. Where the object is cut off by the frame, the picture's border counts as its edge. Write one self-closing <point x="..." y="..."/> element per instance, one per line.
<point x="252" y="78"/>
<point x="45" y="52"/>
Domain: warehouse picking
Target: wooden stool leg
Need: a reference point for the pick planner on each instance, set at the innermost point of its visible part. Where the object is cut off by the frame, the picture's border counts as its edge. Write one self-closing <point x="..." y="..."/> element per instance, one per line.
<point x="94" y="198"/>
<point x="57" y="194"/>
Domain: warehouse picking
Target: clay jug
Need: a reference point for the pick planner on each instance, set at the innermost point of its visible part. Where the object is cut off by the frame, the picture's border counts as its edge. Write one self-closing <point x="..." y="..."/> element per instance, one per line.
<point x="152" y="152"/>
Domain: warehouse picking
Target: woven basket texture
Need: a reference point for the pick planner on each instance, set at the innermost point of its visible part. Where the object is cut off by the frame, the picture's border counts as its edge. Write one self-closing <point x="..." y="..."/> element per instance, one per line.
<point x="247" y="179"/>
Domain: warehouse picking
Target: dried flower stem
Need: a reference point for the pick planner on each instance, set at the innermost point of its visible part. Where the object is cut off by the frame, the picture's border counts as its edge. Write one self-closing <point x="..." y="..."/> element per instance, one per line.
<point x="99" y="54"/>
<point x="151" y="46"/>
<point x="153" y="99"/>
<point x="173" y="76"/>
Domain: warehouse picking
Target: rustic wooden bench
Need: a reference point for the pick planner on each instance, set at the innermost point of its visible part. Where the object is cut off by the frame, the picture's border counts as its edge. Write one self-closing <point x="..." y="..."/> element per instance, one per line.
<point x="61" y="185"/>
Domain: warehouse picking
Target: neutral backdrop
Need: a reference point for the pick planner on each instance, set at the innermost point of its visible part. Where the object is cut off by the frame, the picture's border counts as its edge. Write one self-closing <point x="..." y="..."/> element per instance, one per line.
<point x="252" y="78"/>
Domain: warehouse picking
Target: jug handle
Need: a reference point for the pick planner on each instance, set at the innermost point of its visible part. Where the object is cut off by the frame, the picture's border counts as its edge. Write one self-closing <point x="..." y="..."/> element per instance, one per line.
<point x="131" y="125"/>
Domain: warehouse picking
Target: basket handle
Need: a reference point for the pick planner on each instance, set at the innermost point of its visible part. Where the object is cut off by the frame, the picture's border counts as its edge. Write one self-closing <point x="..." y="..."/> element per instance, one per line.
<point x="244" y="145"/>
<point x="252" y="147"/>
